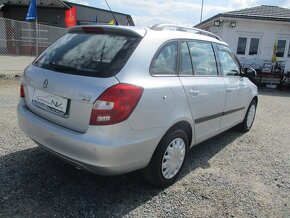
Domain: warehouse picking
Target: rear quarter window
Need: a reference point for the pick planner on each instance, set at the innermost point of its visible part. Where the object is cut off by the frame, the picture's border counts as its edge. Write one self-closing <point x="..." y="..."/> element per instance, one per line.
<point x="165" y="60"/>
<point x="89" y="54"/>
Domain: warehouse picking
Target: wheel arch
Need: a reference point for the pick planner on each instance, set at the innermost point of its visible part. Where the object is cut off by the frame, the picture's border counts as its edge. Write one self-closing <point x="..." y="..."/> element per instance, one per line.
<point x="185" y="126"/>
<point x="256" y="99"/>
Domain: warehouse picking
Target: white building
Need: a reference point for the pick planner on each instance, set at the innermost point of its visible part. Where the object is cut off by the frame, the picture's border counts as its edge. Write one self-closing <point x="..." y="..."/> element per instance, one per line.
<point x="252" y="33"/>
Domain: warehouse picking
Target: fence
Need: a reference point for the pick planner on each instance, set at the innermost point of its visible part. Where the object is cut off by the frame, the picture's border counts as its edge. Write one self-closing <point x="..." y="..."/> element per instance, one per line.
<point x="18" y="37"/>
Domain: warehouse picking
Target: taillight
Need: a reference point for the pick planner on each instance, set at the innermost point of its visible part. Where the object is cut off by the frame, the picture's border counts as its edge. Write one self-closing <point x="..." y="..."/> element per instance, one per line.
<point x="22" y="95"/>
<point x="93" y="29"/>
<point x="115" y="104"/>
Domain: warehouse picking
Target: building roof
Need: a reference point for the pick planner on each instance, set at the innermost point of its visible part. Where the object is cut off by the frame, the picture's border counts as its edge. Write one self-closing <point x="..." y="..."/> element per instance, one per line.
<point x="51" y="3"/>
<point x="64" y="5"/>
<point x="115" y="12"/>
<point x="44" y="3"/>
<point x="262" y="12"/>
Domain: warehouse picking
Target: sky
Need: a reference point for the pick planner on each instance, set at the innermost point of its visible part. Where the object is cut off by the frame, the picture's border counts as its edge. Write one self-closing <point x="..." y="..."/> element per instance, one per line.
<point x="182" y="12"/>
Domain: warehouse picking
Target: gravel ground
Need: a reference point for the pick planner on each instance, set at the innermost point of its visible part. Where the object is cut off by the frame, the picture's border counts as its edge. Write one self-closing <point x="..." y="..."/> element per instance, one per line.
<point x="231" y="175"/>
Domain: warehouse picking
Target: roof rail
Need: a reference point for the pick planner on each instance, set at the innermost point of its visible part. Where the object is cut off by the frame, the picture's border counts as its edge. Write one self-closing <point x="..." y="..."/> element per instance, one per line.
<point x="174" y="27"/>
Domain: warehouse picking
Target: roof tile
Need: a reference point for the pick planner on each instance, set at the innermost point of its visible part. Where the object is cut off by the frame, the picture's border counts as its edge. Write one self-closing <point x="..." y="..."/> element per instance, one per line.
<point x="265" y="11"/>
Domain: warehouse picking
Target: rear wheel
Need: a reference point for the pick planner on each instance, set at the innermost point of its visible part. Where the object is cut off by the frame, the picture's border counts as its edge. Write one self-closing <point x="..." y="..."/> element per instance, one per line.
<point x="168" y="159"/>
<point x="247" y="123"/>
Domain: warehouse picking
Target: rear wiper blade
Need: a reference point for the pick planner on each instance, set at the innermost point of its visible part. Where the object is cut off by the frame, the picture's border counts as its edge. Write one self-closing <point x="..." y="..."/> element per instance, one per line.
<point x="61" y="67"/>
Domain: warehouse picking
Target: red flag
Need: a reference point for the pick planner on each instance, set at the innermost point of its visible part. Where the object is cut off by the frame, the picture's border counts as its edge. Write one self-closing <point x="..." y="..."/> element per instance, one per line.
<point x="70" y="17"/>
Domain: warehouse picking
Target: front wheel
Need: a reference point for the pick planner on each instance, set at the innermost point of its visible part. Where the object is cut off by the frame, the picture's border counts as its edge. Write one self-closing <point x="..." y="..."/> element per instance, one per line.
<point x="248" y="121"/>
<point x="168" y="159"/>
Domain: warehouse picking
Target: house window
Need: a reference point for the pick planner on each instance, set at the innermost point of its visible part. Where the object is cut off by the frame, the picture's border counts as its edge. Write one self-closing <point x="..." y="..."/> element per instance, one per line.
<point x="254" y="46"/>
<point x="289" y="51"/>
<point x="281" y="48"/>
<point x="248" y="45"/>
<point x="242" y="43"/>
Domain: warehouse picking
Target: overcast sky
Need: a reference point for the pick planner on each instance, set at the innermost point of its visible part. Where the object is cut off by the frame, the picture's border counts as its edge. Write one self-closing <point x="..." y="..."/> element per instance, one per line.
<point x="182" y="12"/>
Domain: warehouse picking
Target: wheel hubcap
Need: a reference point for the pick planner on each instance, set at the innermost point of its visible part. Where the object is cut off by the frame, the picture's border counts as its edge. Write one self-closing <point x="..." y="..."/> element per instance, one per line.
<point x="173" y="158"/>
<point x="251" y="116"/>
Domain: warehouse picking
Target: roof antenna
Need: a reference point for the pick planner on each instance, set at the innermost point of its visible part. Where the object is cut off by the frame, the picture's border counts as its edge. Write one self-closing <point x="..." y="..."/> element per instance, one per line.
<point x="117" y="23"/>
<point x="64" y="4"/>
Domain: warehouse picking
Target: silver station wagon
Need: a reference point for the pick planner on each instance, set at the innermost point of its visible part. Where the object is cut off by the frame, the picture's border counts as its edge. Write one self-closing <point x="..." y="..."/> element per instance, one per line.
<point x="114" y="99"/>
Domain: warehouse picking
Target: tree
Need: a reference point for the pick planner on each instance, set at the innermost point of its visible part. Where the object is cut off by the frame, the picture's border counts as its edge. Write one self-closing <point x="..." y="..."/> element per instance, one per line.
<point x="274" y="57"/>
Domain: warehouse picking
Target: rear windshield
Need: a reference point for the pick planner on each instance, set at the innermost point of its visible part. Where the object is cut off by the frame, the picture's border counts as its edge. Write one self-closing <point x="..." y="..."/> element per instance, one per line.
<point x="89" y="54"/>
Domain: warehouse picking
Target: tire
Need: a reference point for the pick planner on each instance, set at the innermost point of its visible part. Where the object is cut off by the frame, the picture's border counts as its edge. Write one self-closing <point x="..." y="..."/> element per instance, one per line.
<point x="165" y="159"/>
<point x="246" y="125"/>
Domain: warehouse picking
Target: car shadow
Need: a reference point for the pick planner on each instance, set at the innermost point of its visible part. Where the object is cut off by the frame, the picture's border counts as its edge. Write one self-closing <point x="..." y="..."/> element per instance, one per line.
<point x="34" y="183"/>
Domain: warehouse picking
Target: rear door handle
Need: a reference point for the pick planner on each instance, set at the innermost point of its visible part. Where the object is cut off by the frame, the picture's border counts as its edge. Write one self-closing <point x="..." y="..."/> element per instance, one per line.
<point x="194" y="91"/>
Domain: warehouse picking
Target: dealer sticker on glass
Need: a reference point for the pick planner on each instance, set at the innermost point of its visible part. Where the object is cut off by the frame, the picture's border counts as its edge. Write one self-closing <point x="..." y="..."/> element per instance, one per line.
<point x="53" y="103"/>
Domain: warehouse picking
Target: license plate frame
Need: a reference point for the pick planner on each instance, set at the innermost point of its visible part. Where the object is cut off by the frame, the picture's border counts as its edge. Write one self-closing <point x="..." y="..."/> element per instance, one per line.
<point x="50" y="102"/>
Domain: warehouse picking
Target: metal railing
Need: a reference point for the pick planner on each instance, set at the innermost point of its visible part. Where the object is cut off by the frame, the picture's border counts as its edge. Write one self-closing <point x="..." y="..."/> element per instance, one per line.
<point x="19" y="38"/>
<point x="174" y="27"/>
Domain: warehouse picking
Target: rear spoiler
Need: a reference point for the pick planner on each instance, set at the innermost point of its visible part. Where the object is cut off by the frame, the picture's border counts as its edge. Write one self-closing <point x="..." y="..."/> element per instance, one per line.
<point x="101" y="29"/>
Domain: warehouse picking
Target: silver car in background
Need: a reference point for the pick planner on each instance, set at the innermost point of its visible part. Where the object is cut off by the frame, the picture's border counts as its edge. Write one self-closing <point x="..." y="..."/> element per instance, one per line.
<point x="114" y="99"/>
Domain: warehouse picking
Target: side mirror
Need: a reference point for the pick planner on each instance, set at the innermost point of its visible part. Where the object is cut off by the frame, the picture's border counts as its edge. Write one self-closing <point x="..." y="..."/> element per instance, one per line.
<point x="250" y="72"/>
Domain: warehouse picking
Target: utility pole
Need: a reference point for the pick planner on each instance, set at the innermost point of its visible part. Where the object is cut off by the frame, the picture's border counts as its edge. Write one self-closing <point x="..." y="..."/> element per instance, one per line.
<point x="36" y="31"/>
<point x="201" y="11"/>
<point x="32" y="16"/>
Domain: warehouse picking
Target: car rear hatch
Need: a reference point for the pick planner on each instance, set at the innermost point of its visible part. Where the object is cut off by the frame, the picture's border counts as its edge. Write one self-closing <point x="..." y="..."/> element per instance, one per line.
<point x="63" y="83"/>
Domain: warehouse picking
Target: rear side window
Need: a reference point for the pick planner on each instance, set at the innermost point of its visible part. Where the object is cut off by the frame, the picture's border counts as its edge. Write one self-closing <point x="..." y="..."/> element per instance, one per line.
<point x="203" y="58"/>
<point x="185" y="67"/>
<point x="164" y="62"/>
<point x="89" y="54"/>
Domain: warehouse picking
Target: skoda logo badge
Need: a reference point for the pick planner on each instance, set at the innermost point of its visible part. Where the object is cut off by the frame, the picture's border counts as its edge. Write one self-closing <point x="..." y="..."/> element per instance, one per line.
<point x="45" y="83"/>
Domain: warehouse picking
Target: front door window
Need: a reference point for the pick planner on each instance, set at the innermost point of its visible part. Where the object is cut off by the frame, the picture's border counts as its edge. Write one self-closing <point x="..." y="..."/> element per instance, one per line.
<point x="229" y="67"/>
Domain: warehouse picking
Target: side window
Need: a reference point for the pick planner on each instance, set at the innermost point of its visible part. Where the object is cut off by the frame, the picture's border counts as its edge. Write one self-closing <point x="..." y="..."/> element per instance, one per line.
<point x="249" y="45"/>
<point x="229" y="66"/>
<point x="203" y="59"/>
<point x="281" y="48"/>
<point x="185" y="67"/>
<point x="242" y="44"/>
<point x="164" y="62"/>
<point x="254" y="46"/>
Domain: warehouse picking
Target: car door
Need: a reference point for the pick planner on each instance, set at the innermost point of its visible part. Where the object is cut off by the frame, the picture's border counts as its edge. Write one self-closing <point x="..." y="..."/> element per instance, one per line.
<point x="205" y="90"/>
<point x="237" y="90"/>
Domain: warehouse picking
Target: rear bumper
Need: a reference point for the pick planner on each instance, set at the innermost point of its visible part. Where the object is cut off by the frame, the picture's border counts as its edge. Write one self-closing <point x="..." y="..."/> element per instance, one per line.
<point x="105" y="150"/>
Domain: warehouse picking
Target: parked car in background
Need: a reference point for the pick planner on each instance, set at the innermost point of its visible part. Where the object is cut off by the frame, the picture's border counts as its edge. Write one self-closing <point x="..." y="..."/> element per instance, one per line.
<point x="114" y="99"/>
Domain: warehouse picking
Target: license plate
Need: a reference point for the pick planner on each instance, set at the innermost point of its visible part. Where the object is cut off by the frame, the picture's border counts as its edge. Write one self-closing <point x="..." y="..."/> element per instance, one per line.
<point x="49" y="102"/>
